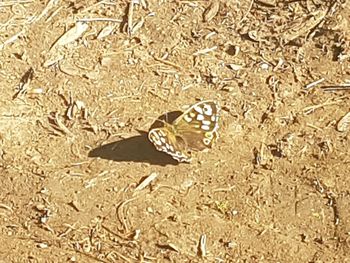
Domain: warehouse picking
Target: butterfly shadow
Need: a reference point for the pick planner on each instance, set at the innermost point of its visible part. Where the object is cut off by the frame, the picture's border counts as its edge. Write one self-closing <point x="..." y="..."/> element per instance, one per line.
<point x="137" y="148"/>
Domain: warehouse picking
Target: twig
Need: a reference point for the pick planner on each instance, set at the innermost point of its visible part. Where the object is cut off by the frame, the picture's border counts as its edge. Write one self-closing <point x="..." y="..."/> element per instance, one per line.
<point x="100" y="19"/>
<point x="336" y="87"/>
<point x="205" y="51"/>
<point x="312" y="84"/>
<point x="146" y="182"/>
<point x="130" y="16"/>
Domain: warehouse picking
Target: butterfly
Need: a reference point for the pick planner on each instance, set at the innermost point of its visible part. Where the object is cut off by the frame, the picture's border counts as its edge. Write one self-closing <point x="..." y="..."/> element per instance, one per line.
<point x="195" y="129"/>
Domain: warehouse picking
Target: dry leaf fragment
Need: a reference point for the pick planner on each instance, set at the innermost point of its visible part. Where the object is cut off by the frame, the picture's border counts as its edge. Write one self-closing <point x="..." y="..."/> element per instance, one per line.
<point x="24" y="83"/>
<point x="137" y="26"/>
<point x="170" y="246"/>
<point x="344" y="123"/>
<point x="173" y="247"/>
<point x="106" y="31"/>
<point x="235" y="67"/>
<point x="54" y="58"/>
<point x="211" y="11"/>
<point x="69" y="69"/>
<point x="72" y="34"/>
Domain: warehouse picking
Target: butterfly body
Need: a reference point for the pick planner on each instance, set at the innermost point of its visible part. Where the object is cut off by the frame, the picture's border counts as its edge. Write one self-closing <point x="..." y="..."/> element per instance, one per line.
<point x="196" y="129"/>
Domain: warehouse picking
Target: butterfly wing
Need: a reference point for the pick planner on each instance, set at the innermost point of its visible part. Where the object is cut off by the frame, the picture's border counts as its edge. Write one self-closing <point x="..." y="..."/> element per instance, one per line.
<point x="166" y="141"/>
<point x="198" y="125"/>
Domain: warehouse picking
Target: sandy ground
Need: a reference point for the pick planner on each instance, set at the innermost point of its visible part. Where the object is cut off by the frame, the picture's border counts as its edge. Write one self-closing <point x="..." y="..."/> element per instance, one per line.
<point x="83" y="81"/>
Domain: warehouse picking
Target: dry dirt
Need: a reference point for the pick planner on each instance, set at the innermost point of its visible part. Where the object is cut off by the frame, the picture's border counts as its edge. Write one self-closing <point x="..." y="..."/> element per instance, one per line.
<point x="77" y="102"/>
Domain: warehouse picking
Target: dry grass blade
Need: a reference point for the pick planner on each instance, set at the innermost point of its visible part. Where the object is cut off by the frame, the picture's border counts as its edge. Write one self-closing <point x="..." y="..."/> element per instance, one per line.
<point x="10" y="3"/>
<point x="312" y="108"/>
<point x="344" y="123"/>
<point x="211" y="11"/>
<point x="120" y="213"/>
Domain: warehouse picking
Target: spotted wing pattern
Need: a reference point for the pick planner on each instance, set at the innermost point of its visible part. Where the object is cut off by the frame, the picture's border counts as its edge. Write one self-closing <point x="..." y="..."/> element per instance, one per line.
<point x="195" y="129"/>
<point x="165" y="141"/>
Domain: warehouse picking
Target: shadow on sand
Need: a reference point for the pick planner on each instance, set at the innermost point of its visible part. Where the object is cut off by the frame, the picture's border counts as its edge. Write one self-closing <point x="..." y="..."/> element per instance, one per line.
<point x="137" y="148"/>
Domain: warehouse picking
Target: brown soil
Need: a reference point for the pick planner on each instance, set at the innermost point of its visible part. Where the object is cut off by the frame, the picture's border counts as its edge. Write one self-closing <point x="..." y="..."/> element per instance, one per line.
<point x="75" y="108"/>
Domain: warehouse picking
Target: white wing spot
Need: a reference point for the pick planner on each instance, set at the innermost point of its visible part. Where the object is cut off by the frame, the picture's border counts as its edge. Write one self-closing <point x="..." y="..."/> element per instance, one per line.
<point x="205" y="127"/>
<point x="155" y="135"/>
<point x="192" y="114"/>
<point x="206" y="122"/>
<point x="158" y="142"/>
<point x="162" y="139"/>
<point x="213" y="118"/>
<point x="171" y="148"/>
<point x="198" y="109"/>
<point x="200" y="117"/>
<point x="187" y="118"/>
<point x="207" y="110"/>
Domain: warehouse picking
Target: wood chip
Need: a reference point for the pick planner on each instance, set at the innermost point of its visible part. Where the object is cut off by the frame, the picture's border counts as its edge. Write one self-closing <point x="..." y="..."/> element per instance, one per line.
<point x="211" y="11"/>
<point x="344" y="123"/>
